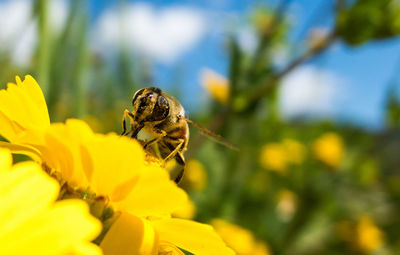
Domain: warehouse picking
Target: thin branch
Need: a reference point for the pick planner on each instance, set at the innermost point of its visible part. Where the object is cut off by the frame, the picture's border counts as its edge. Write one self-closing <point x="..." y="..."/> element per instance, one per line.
<point x="271" y="81"/>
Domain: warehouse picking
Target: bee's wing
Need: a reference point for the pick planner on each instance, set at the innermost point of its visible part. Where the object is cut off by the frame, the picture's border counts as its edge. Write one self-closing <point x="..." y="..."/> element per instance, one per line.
<point x="217" y="138"/>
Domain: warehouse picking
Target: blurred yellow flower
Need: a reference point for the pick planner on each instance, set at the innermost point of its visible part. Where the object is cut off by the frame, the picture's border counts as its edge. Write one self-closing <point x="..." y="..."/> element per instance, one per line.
<point x="216" y="85"/>
<point x="329" y="148"/>
<point x="278" y="156"/>
<point x="35" y="223"/>
<point x="195" y="177"/>
<point x="239" y="239"/>
<point x="286" y="204"/>
<point x="262" y="21"/>
<point x="273" y="157"/>
<point x="363" y="234"/>
<point x="114" y="171"/>
<point x="369" y="236"/>
<point x="295" y="151"/>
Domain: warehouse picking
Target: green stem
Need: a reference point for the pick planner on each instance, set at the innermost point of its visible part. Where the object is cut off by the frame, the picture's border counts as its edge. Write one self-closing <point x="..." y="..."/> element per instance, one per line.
<point x="44" y="51"/>
<point x="81" y="68"/>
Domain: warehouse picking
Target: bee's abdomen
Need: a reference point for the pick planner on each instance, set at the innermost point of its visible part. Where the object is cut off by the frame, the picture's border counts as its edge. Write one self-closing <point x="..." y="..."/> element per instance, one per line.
<point x="177" y="132"/>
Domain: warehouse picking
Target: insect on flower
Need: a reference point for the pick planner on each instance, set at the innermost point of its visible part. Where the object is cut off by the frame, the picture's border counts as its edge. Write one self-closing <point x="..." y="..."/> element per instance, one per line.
<point x="163" y="117"/>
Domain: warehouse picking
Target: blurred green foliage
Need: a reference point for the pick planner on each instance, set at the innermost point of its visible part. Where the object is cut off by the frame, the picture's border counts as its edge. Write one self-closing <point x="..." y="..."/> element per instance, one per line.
<point x="367" y="20"/>
<point x="326" y="210"/>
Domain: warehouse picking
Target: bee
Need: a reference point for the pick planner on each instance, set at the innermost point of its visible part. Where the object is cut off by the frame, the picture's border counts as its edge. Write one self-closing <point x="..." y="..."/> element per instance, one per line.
<point x="163" y="117"/>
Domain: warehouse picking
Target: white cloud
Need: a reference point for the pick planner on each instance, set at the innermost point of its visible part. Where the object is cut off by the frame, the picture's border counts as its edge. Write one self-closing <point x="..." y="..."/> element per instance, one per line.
<point x="14" y="16"/>
<point x="58" y="14"/>
<point x="162" y="34"/>
<point x="24" y="46"/>
<point x="18" y="31"/>
<point x="247" y="39"/>
<point x="312" y="91"/>
<point x="281" y="56"/>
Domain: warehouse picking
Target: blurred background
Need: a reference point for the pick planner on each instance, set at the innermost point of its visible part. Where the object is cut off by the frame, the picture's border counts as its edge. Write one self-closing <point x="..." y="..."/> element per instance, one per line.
<point x="308" y="90"/>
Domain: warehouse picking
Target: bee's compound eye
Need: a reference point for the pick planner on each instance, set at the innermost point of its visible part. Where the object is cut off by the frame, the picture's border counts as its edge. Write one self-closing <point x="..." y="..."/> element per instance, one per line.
<point x="161" y="109"/>
<point x="137" y="94"/>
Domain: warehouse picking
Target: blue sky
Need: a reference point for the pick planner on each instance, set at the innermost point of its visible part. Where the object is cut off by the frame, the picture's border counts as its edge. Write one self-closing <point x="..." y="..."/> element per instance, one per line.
<point x="351" y="82"/>
<point x="366" y="70"/>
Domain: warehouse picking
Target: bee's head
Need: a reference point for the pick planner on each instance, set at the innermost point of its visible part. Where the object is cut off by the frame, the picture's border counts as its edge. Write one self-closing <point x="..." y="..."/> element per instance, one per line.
<point x="150" y="105"/>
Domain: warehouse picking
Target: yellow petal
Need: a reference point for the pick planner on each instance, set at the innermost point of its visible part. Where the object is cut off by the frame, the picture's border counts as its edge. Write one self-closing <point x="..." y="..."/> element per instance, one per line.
<point x="35" y="224"/>
<point x="14" y="187"/>
<point x="167" y="248"/>
<point x="58" y="155"/>
<point x="153" y="195"/>
<point x="186" y="211"/>
<point x="85" y="248"/>
<point x="9" y="128"/>
<point x="62" y="150"/>
<point x="26" y="150"/>
<point x="33" y="89"/>
<point x="130" y="235"/>
<point x="67" y="223"/>
<point x="5" y="160"/>
<point x="113" y="164"/>
<point x="192" y="236"/>
<point x="79" y="130"/>
<point x="22" y="108"/>
<point x="239" y="239"/>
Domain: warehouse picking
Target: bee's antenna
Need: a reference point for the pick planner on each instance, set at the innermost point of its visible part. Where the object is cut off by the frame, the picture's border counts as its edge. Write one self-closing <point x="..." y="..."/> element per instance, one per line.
<point x="217" y="138"/>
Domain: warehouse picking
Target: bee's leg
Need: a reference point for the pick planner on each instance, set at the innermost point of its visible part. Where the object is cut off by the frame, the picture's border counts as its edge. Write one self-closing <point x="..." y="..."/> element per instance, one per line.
<point x="175" y="151"/>
<point x="155" y="140"/>
<point x="124" y="130"/>
<point x="181" y="161"/>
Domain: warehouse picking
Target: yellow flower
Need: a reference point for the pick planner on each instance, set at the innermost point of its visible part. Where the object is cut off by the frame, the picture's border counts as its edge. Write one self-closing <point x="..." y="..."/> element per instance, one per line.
<point x="287" y="204"/>
<point x="186" y="211"/>
<point x="116" y="169"/>
<point x="112" y="173"/>
<point x="329" y="148"/>
<point x="239" y="239"/>
<point x="273" y="157"/>
<point x="295" y="151"/>
<point x="33" y="222"/>
<point x="216" y="84"/>
<point x="195" y="175"/>
<point x="369" y="236"/>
